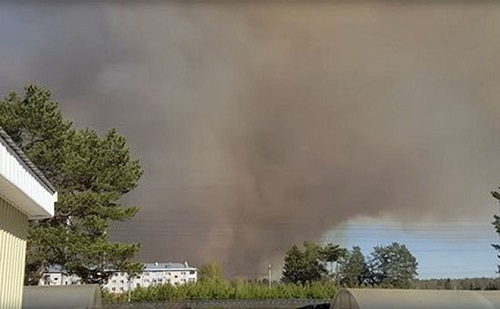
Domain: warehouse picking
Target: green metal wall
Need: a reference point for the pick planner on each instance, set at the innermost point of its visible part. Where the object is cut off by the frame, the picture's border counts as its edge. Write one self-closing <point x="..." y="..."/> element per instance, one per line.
<point x="13" y="233"/>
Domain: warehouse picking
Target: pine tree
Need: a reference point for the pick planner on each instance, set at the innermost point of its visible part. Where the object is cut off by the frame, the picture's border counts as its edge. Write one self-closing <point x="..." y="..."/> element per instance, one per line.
<point x="331" y="253"/>
<point x="91" y="173"/>
<point x="293" y="269"/>
<point x="308" y="264"/>
<point x="353" y="269"/>
<point x="392" y="266"/>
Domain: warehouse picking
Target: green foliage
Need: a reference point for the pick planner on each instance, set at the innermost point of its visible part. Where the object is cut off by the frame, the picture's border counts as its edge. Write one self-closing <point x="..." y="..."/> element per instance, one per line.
<point x="211" y="271"/>
<point x="308" y="264"/>
<point x="353" y="269"/>
<point x="392" y="266"/>
<point x="222" y="290"/>
<point x="37" y="126"/>
<point x="302" y="266"/>
<point x="91" y="173"/>
<point x="332" y="253"/>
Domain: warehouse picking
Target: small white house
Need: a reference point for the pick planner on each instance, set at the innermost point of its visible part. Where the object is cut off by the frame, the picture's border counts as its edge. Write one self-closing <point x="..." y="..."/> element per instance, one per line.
<point x="55" y="275"/>
<point x="25" y="194"/>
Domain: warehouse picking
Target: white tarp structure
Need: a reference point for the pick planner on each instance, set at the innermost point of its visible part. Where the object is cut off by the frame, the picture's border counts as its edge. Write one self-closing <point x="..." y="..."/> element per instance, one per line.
<point x="81" y="296"/>
<point x="415" y="299"/>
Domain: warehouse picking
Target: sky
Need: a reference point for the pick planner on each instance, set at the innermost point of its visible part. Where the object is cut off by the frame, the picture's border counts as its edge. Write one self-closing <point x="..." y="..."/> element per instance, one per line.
<point x="264" y="124"/>
<point x="442" y="249"/>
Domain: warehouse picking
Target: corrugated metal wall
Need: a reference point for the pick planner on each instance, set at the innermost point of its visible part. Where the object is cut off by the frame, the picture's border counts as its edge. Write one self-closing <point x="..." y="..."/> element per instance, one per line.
<point x="13" y="233"/>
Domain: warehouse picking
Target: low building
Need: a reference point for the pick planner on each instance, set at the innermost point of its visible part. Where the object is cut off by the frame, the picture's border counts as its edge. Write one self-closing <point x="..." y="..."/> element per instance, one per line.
<point x="25" y="194"/>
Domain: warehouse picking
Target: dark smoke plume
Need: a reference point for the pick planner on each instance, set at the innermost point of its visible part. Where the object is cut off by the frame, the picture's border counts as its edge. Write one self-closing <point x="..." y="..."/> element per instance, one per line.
<point x="262" y="125"/>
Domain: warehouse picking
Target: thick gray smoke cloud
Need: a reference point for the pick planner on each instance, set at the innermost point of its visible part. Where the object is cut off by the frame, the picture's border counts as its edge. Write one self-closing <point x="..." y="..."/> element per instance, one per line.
<point x="262" y="125"/>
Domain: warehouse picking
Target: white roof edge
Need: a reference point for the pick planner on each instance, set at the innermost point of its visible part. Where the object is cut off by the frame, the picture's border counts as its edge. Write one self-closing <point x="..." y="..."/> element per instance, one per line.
<point x="23" y="159"/>
<point x="22" y="184"/>
<point x="169" y="269"/>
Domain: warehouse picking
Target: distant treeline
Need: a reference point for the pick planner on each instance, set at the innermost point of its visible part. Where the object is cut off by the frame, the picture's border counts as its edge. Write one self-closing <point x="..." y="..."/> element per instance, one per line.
<point x="458" y="284"/>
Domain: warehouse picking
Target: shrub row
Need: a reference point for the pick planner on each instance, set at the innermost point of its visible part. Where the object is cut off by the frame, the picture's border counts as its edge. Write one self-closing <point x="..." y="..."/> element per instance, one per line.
<point x="222" y="290"/>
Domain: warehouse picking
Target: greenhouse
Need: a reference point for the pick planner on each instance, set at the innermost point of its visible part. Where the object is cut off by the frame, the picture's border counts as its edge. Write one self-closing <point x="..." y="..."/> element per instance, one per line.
<point x="415" y="299"/>
<point x="80" y="296"/>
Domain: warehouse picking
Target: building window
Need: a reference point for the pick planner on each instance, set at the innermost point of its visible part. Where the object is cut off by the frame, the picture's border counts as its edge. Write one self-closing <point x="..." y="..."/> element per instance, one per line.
<point x="191" y="272"/>
<point x="121" y="281"/>
<point x="113" y="289"/>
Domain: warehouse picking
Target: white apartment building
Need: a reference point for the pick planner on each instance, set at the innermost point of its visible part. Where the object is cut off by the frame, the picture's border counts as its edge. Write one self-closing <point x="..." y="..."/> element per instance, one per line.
<point x="153" y="274"/>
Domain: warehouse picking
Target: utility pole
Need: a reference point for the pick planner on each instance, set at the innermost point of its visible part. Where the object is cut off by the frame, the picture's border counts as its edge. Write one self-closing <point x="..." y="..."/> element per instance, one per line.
<point x="269" y="275"/>
<point x="129" y="287"/>
<point x="337" y="273"/>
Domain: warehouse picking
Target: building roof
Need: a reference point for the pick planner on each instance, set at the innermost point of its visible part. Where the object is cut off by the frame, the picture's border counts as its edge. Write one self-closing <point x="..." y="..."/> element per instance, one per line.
<point x="157" y="266"/>
<point x="24" y="160"/>
<point x="55" y="269"/>
<point x="162" y="266"/>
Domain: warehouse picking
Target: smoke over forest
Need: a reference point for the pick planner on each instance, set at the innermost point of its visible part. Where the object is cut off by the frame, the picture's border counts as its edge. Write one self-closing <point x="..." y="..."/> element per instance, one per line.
<point x="260" y="124"/>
